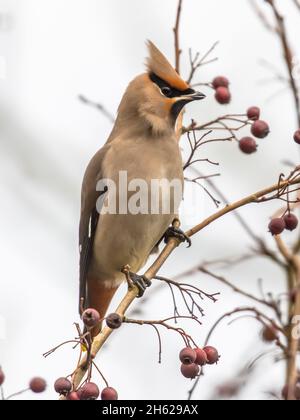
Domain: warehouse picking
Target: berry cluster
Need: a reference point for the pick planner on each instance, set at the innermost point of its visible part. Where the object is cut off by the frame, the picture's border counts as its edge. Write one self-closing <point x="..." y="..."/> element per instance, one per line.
<point x="221" y="86"/>
<point x="193" y="359"/>
<point x="259" y="129"/>
<point x="88" y="391"/>
<point x="279" y="224"/>
<point x="91" y="319"/>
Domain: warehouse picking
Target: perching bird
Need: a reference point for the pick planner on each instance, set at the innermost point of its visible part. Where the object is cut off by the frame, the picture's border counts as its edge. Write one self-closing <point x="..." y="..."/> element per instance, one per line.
<point x="143" y="143"/>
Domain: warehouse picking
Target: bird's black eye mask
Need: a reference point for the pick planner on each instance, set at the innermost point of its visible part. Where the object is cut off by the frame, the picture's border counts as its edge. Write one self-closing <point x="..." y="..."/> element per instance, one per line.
<point x="168" y="90"/>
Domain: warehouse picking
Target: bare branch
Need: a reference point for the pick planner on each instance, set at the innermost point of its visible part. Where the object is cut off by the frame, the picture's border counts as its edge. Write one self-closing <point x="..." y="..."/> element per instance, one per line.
<point x="97" y="106"/>
<point x="173" y="243"/>
<point x="176" y="36"/>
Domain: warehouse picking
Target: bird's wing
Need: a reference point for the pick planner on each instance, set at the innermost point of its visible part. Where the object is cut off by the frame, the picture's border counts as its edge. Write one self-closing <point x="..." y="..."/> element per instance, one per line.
<point x="89" y="219"/>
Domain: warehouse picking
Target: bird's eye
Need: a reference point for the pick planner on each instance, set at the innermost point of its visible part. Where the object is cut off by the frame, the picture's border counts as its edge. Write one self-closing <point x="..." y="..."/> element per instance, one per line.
<point x="166" y="91"/>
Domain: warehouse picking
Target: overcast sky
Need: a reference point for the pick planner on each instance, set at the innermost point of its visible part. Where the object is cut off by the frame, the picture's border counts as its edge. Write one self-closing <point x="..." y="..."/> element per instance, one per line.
<point x="51" y="51"/>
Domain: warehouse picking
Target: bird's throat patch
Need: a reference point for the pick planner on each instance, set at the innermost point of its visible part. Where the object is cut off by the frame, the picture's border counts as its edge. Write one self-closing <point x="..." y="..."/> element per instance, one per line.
<point x="177" y="108"/>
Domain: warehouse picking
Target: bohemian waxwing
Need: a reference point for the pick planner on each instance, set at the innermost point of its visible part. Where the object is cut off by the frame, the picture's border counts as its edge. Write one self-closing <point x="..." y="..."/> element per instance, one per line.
<point x="142" y="148"/>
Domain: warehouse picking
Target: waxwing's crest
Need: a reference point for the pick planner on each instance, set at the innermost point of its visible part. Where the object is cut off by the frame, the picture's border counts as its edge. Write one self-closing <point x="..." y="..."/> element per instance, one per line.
<point x="159" y="65"/>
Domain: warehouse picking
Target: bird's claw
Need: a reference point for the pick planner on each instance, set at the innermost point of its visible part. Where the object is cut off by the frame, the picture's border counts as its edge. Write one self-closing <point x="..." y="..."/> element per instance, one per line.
<point x="141" y="282"/>
<point x="177" y="233"/>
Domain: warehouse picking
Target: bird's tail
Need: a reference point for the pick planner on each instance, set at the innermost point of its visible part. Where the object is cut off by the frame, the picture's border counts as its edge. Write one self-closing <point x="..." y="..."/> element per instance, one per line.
<point x="99" y="298"/>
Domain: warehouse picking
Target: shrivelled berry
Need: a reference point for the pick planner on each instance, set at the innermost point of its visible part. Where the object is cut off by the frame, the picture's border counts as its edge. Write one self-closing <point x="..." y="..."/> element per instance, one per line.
<point x="223" y="95"/>
<point x="187" y="356"/>
<point x="297" y="136"/>
<point x="212" y="355"/>
<point x="291" y="221"/>
<point x="37" y="385"/>
<point x="90" y="318"/>
<point x="190" y="371"/>
<point x="109" y="394"/>
<point x="269" y="334"/>
<point x="253" y="113"/>
<point x="2" y="377"/>
<point x="260" y="129"/>
<point x="73" y="396"/>
<point x="63" y="386"/>
<point x="201" y="358"/>
<point x="220" y="81"/>
<point x="89" y="391"/>
<point x="277" y="226"/>
<point x="114" y="321"/>
<point x="248" y="145"/>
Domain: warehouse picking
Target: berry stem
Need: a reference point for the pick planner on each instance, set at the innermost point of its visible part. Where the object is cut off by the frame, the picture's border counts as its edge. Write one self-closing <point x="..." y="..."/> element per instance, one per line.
<point x="17" y="393"/>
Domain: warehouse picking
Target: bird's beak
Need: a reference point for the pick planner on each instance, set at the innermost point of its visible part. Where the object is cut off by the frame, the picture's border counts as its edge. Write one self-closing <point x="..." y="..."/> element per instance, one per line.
<point x="195" y="96"/>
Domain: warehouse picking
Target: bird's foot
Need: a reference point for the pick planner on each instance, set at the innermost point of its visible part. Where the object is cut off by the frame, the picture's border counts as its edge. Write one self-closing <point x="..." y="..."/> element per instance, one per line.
<point x="174" y="232"/>
<point x="141" y="282"/>
<point x="135" y="280"/>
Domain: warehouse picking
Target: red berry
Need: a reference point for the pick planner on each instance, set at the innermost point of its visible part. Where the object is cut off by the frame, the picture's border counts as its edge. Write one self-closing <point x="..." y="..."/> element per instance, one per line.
<point x="285" y="392"/>
<point x="297" y="136"/>
<point x="297" y="392"/>
<point x="114" y="321"/>
<point x="212" y="355"/>
<point x="253" y="113"/>
<point x="73" y="396"/>
<point x="201" y="358"/>
<point x="229" y="390"/>
<point x="248" y="145"/>
<point x="220" y="81"/>
<point x="223" y="95"/>
<point x="2" y="377"/>
<point x="293" y="295"/>
<point x="294" y="393"/>
<point x="277" y="226"/>
<point x="109" y="394"/>
<point x="89" y="391"/>
<point x="269" y="334"/>
<point x="37" y="385"/>
<point x="187" y="356"/>
<point x="90" y="318"/>
<point x="63" y="386"/>
<point x="291" y="221"/>
<point x="190" y="371"/>
<point x="260" y="129"/>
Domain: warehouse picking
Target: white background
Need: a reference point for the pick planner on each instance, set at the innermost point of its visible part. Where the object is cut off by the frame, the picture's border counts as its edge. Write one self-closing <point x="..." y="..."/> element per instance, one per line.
<point x="55" y="50"/>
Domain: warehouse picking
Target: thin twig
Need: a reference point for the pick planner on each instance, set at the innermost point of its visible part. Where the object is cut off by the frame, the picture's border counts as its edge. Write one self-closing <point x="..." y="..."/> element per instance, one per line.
<point x="297" y="3"/>
<point x="97" y="106"/>
<point x="176" y="37"/>
<point x="16" y="394"/>
<point x="196" y="63"/>
<point x="287" y="53"/>
<point x="238" y="290"/>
